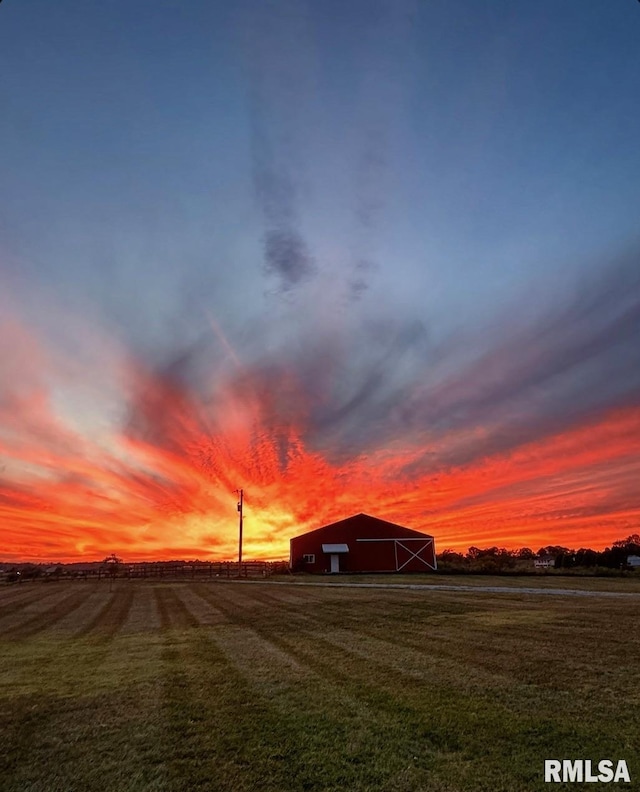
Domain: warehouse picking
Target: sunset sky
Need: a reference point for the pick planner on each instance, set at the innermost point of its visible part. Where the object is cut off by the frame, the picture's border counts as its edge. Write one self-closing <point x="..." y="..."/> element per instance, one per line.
<point x="374" y="256"/>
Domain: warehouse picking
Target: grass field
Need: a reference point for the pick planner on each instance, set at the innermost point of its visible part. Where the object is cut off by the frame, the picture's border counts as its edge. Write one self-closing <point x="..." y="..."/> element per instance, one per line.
<point x="630" y="582"/>
<point x="255" y="686"/>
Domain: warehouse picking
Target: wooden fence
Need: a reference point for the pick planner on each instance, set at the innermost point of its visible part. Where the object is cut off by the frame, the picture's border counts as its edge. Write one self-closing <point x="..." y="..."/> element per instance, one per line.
<point x="185" y="570"/>
<point x="214" y="569"/>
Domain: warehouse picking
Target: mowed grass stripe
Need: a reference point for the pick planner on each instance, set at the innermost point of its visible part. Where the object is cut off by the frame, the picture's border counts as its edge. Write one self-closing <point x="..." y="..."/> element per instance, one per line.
<point x="491" y="674"/>
<point x="238" y="737"/>
<point x="203" y="608"/>
<point x="546" y="650"/>
<point x="257" y="651"/>
<point x="283" y="751"/>
<point x="79" y="714"/>
<point x="328" y="604"/>
<point x="143" y="617"/>
<point x="111" y="616"/>
<point x="414" y="651"/>
<point x="337" y="606"/>
<point x="422" y="625"/>
<point x="15" y="592"/>
<point x="444" y="703"/>
<point x="371" y="745"/>
<point x="200" y="742"/>
<point x="373" y="691"/>
<point x="251" y="608"/>
<point x="507" y="642"/>
<point x="506" y="638"/>
<point x="173" y="611"/>
<point x="262" y="601"/>
<point x="18" y="602"/>
<point x="46" y="617"/>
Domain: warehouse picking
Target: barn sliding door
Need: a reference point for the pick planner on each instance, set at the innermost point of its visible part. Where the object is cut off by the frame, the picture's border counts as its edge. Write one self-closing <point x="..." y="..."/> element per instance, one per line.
<point x="408" y="550"/>
<point x="413" y="554"/>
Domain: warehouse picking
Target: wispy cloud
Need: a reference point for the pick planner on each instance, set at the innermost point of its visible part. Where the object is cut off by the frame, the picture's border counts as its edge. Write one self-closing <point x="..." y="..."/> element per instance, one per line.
<point x="514" y="437"/>
<point x="277" y="45"/>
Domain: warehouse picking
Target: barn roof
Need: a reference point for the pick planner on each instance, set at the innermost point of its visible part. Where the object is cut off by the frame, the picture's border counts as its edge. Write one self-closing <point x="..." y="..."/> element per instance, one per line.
<point x="360" y="519"/>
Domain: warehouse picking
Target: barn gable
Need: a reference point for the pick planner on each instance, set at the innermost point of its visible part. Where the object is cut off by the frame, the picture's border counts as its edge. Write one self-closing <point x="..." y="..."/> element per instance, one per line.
<point x="363" y="543"/>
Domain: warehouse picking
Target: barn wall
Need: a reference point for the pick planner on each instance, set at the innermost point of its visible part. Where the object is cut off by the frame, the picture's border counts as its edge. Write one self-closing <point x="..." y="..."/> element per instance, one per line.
<point x="375" y="556"/>
<point x="378" y="556"/>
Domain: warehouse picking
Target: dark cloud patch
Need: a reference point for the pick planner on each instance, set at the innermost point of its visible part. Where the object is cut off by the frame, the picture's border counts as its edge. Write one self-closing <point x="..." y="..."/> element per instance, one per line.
<point x="286" y="255"/>
<point x="278" y="45"/>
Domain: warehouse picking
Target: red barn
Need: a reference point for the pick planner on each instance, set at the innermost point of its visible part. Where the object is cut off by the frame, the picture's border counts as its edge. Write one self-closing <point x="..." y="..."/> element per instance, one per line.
<point x="363" y="544"/>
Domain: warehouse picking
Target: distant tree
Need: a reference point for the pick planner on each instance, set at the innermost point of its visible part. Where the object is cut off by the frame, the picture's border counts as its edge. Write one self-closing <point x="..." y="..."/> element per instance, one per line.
<point x="586" y="557"/>
<point x="565" y="560"/>
<point x="554" y="550"/>
<point x="450" y="556"/>
<point x="615" y="557"/>
<point x="490" y="559"/>
<point x="452" y="561"/>
<point x="630" y="545"/>
<point x="111" y="565"/>
<point x="525" y="553"/>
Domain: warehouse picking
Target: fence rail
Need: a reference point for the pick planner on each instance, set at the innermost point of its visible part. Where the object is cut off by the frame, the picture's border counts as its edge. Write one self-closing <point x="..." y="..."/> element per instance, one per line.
<point x="186" y="570"/>
<point x="219" y="569"/>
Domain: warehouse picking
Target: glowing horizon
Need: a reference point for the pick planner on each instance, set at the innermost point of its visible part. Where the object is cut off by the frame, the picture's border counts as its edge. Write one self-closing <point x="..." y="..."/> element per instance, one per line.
<point x="160" y="486"/>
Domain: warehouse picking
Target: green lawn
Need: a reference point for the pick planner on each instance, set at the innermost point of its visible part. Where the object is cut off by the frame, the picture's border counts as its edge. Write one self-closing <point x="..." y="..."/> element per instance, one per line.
<point x="254" y="686"/>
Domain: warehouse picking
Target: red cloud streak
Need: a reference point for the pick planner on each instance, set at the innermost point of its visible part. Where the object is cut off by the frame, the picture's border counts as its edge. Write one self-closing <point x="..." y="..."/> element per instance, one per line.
<point x="163" y="487"/>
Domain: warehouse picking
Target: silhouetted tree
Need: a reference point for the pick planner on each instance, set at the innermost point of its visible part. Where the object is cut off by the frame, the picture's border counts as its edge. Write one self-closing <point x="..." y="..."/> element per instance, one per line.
<point x="630" y="545"/>
<point x="451" y="561"/>
<point x="586" y="557"/>
<point x="111" y="565"/>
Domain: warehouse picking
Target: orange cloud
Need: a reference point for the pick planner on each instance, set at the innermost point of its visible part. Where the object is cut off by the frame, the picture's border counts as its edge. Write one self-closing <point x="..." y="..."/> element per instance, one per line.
<point x="163" y="485"/>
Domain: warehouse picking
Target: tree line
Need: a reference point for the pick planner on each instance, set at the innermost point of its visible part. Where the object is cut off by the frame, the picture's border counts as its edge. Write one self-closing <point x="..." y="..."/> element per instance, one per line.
<point x="498" y="559"/>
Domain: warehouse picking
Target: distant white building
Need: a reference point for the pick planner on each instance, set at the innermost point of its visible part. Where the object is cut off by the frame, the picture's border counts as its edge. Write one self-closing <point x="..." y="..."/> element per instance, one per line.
<point x="544" y="562"/>
<point x="633" y="561"/>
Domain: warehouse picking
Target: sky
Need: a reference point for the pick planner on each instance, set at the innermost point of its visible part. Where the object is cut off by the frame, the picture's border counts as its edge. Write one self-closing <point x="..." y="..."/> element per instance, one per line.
<point x="350" y="256"/>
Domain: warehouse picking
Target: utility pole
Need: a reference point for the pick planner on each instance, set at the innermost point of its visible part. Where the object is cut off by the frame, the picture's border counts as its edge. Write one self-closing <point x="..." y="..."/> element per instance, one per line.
<point x="240" y="502"/>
